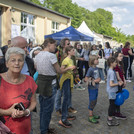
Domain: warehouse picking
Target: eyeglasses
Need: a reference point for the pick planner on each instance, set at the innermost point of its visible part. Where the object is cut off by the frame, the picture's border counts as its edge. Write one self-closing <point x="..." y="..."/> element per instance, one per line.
<point x="68" y="44"/>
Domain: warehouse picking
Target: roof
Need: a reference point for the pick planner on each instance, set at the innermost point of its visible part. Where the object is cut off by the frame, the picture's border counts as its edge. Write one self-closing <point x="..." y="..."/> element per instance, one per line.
<point x="44" y="8"/>
<point x="70" y="33"/>
<point x="83" y="28"/>
<point x="108" y="37"/>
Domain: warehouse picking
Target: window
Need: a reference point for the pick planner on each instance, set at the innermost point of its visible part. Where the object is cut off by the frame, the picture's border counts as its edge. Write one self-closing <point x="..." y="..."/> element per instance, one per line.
<point x="55" y="27"/>
<point x="27" y="26"/>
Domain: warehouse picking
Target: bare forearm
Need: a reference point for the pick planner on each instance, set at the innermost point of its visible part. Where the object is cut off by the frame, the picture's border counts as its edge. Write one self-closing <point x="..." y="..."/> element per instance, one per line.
<point x="32" y="106"/>
<point x="97" y="80"/>
<point x="113" y="84"/>
<point x="5" y="112"/>
<point x="33" y="103"/>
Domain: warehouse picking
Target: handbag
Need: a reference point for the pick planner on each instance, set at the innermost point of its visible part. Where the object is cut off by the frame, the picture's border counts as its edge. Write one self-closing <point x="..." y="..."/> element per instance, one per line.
<point x="101" y="63"/>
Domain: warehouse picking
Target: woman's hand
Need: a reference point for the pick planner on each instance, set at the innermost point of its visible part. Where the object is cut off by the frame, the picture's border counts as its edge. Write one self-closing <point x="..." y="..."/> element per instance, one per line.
<point x="82" y="59"/>
<point x="18" y="114"/>
<point x="12" y="109"/>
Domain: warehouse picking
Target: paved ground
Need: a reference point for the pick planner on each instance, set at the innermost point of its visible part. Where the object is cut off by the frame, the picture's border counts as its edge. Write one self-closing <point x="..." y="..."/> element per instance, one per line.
<point x="81" y="124"/>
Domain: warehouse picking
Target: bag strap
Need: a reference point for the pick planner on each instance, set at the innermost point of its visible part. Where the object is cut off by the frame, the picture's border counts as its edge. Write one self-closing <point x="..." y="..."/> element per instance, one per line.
<point x="101" y="53"/>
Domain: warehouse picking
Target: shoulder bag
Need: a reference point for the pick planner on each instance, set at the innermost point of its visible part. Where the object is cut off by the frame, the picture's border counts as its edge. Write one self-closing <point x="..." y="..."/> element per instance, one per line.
<point x="101" y="63"/>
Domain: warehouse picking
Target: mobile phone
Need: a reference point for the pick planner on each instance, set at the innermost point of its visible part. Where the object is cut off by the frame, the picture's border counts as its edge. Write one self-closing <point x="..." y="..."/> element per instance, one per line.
<point x="20" y="106"/>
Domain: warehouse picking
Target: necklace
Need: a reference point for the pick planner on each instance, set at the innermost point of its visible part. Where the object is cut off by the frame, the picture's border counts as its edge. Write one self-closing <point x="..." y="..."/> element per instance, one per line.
<point x="9" y="79"/>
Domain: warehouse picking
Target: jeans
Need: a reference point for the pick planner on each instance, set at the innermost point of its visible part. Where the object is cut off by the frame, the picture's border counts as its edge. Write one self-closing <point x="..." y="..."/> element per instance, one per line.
<point x="93" y="95"/>
<point x="106" y="68"/>
<point x="86" y="67"/>
<point x="101" y="73"/>
<point x="66" y="96"/>
<point x="46" y="109"/>
<point x="58" y="100"/>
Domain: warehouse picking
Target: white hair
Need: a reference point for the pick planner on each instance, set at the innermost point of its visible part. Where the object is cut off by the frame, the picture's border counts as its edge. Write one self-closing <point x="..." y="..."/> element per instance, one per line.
<point x="14" y="50"/>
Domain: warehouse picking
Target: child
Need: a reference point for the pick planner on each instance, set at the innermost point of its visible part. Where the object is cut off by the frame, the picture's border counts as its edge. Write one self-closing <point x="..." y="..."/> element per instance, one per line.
<point x="93" y="79"/>
<point x="112" y="88"/>
<point x="120" y="77"/>
<point x="66" y="84"/>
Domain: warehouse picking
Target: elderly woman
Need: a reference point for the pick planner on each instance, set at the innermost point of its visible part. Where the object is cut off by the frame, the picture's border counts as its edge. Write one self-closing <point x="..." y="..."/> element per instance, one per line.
<point x="16" y="88"/>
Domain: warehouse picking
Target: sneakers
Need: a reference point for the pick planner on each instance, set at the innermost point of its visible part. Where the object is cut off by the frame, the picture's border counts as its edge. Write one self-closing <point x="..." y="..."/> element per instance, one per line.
<point x="51" y="131"/>
<point x="96" y="116"/>
<point x="120" y="116"/>
<point x="112" y="122"/>
<point x="80" y="88"/>
<point x="93" y="120"/>
<point x="128" y="81"/>
<point x="102" y="81"/>
<point x="72" y="110"/>
<point x="58" y="112"/>
<point x="71" y="118"/>
<point x="65" y="124"/>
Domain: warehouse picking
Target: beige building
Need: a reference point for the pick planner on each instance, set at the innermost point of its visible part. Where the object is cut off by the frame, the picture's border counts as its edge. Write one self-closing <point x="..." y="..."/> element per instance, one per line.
<point x="24" y="18"/>
<point x="113" y="43"/>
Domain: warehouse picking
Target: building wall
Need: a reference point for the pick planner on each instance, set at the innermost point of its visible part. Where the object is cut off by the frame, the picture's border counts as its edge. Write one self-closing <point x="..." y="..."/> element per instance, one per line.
<point x="43" y="19"/>
<point x="6" y="25"/>
<point x="39" y="29"/>
<point x="48" y="27"/>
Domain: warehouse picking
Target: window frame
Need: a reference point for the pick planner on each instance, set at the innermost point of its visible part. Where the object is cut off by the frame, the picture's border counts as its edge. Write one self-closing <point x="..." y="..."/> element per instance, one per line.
<point x="27" y="24"/>
<point x="56" y="27"/>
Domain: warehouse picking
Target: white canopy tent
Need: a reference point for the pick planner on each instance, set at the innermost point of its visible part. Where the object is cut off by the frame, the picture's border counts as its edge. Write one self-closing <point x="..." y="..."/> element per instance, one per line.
<point x="83" y="28"/>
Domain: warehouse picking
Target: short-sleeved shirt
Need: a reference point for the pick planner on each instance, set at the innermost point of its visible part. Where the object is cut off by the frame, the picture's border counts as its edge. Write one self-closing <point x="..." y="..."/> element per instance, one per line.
<point x="67" y="62"/>
<point x="107" y="52"/>
<point x="10" y="94"/>
<point x="44" y="62"/>
<point x="125" y="51"/>
<point x="93" y="73"/>
<point x="111" y="76"/>
<point x="119" y="69"/>
<point x="25" y="69"/>
<point x="94" y="52"/>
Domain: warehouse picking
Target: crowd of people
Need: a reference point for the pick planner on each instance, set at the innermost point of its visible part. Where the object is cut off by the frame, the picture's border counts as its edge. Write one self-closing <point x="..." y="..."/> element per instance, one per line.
<point x="60" y="69"/>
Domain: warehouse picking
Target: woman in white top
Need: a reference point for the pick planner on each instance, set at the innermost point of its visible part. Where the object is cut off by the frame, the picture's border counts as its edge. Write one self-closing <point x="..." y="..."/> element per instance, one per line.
<point x="85" y="54"/>
<point x="94" y="50"/>
<point x="108" y="53"/>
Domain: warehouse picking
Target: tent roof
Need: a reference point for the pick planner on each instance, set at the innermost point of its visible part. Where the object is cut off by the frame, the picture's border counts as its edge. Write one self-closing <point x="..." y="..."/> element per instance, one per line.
<point x="70" y="33"/>
<point x="83" y="28"/>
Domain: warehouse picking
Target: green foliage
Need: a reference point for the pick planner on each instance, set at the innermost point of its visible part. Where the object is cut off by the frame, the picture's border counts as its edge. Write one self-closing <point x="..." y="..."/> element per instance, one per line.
<point x="36" y="2"/>
<point x="99" y="21"/>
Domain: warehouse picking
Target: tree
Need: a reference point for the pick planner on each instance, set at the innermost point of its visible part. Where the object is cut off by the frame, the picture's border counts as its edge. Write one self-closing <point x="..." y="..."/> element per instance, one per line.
<point x="99" y="21"/>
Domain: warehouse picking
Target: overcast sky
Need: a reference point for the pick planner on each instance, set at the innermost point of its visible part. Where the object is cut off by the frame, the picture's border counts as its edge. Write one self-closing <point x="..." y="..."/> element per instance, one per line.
<point x="123" y="11"/>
